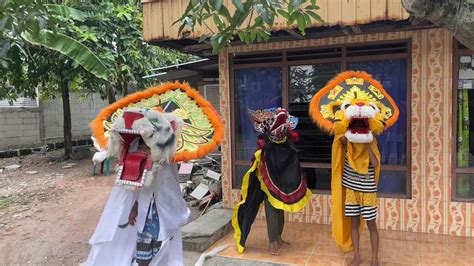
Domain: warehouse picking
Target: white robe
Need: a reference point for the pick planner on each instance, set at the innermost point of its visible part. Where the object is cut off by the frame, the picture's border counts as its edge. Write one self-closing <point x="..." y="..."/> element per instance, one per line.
<point x="112" y="245"/>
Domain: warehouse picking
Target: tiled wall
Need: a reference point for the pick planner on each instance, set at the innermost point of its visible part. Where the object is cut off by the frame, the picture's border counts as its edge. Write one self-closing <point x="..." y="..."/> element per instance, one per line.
<point x="430" y="208"/>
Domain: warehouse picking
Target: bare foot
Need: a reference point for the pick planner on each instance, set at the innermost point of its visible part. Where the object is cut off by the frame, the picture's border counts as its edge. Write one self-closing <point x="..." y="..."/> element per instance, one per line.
<point x="355" y="262"/>
<point x="374" y="262"/>
<point x="283" y="243"/>
<point x="273" y="249"/>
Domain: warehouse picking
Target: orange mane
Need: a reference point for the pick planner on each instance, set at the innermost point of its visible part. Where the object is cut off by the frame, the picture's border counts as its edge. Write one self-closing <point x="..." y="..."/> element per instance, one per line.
<point x="98" y="129"/>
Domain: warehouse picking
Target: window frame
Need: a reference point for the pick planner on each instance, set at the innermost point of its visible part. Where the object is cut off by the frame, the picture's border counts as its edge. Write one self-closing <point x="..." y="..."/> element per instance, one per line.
<point x="457" y="53"/>
<point x="343" y="60"/>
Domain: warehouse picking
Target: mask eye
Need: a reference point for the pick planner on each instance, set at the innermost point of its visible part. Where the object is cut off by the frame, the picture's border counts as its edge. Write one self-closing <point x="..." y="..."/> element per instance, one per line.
<point x="374" y="107"/>
<point x="156" y="124"/>
<point x="345" y="106"/>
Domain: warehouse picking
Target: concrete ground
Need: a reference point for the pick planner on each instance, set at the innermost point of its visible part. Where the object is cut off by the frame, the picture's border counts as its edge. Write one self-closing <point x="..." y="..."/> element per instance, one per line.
<point x="190" y="257"/>
<point x="49" y="210"/>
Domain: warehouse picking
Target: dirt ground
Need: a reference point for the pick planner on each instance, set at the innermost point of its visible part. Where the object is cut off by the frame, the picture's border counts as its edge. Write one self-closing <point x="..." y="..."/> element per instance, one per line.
<point x="49" y="216"/>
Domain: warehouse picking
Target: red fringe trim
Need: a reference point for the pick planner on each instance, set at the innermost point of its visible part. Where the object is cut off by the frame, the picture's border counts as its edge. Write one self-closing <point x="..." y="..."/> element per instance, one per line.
<point x="285" y="198"/>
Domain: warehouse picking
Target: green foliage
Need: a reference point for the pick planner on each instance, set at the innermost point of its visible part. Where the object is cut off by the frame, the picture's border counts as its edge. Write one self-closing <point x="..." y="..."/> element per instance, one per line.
<point x="251" y="21"/>
<point x="71" y="48"/>
<point x="100" y="42"/>
<point x="114" y="31"/>
<point x="66" y="12"/>
<point x="28" y="24"/>
<point x="83" y="45"/>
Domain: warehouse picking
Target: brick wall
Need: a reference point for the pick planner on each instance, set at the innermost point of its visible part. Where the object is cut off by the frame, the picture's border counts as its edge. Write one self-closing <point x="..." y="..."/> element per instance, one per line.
<point x="32" y="127"/>
<point x="28" y="127"/>
<point x="83" y="111"/>
<point x="19" y="125"/>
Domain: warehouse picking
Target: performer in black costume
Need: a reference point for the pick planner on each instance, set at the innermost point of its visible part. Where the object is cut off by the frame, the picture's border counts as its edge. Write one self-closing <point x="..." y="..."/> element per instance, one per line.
<point x="274" y="178"/>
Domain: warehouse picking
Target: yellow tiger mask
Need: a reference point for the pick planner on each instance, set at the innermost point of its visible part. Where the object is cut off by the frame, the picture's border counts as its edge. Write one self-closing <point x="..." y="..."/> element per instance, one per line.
<point x="359" y="120"/>
<point x="355" y="105"/>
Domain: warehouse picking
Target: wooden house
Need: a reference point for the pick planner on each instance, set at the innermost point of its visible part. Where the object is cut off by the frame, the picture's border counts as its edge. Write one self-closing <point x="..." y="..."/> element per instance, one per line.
<point x="427" y="180"/>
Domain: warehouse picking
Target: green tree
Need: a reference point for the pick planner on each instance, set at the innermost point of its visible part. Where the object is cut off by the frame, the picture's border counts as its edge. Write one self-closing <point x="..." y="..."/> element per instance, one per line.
<point x="252" y="20"/>
<point x="114" y="29"/>
<point x="39" y="51"/>
<point x="56" y="48"/>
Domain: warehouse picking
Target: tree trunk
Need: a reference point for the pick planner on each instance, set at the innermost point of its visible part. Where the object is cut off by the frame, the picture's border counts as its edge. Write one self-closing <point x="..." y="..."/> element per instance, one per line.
<point x="110" y="94"/>
<point x="457" y="16"/>
<point x="68" y="153"/>
<point x="125" y="87"/>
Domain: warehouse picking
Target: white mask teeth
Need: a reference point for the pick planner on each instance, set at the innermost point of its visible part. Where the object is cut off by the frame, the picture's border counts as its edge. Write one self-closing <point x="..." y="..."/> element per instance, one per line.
<point x="126" y="131"/>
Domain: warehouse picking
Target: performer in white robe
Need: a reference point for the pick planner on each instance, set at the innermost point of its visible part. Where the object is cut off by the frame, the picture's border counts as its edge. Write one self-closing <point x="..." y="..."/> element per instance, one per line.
<point x="176" y="124"/>
<point x="173" y="213"/>
<point x="112" y="245"/>
<point x="115" y="240"/>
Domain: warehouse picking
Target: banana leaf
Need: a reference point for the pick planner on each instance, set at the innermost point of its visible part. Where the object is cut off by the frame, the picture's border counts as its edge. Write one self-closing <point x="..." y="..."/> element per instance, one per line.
<point x="67" y="12"/>
<point x="71" y="48"/>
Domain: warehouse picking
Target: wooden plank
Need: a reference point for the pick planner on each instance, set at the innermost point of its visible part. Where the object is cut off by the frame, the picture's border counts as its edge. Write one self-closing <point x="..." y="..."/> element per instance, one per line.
<point x="378" y="10"/>
<point x="323" y="11"/>
<point x="165" y="13"/>
<point x="363" y="12"/>
<point x="405" y="14"/>
<point x="152" y="21"/>
<point x="159" y="15"/>
<point x="393" y="10"/>
<point x="334" y="12"/>
<point x="176" y="12"/>
<point x="348" y="11"/>
<point x="146" y="22"/>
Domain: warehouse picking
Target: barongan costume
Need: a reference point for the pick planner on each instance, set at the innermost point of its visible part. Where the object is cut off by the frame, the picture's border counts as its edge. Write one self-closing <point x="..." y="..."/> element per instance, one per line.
<point x="149" y="132"/>
<point x="355" y="106"/>
<point x="274" y="177"/>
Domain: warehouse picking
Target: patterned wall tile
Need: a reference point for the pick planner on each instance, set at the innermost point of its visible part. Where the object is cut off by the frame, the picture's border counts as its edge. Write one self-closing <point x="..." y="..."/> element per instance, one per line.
<point x="225" y="111"/>
<point x="391" y="213"/>
<point x="316" y="211"/>
<point x="412" y="215"/>
<point x="435" y="210"/>
<point x="457" y="218"/>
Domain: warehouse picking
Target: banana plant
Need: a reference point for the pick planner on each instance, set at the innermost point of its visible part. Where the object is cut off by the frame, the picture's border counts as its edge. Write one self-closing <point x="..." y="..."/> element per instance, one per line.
<point x="34" y="22"/>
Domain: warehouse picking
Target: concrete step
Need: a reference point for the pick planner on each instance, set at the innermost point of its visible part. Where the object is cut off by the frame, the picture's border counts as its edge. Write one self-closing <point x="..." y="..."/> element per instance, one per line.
<point x="203" y="232"/>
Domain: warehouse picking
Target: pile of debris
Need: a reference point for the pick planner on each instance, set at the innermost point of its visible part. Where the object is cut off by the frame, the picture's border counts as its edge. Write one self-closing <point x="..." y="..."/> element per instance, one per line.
<point x="200" y="182"/>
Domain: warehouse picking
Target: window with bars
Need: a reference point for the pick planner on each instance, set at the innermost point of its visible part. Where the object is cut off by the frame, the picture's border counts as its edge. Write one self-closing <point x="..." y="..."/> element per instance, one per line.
<point x="290" y="78"/>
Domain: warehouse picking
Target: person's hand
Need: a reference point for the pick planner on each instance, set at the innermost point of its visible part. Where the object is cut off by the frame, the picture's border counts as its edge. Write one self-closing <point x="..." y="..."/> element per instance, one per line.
<point x="132" y="217"/>
<point x="344" y="140"/>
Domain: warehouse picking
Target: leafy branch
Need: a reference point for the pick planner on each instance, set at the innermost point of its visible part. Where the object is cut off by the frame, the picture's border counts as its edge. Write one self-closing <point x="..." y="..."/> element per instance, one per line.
<point x="252" y="20"/>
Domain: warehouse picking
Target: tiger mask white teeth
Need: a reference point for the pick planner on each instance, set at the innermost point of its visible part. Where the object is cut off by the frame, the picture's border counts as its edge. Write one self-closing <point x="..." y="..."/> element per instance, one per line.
<point x="359" y="121"/>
